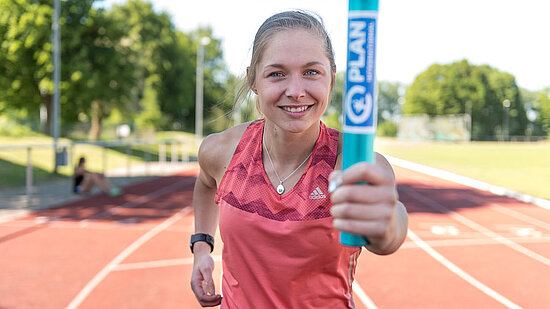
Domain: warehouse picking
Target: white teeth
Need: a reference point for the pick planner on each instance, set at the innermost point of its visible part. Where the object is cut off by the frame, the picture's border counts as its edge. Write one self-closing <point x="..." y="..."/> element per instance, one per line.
<point x="295" y="109"/>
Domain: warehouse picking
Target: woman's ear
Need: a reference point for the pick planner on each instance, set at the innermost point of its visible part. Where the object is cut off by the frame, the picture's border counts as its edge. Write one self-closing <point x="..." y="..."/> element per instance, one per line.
<point x="247" y="78"/>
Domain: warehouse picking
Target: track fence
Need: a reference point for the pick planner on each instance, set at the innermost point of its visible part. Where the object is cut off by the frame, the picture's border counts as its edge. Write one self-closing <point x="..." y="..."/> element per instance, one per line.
<point x="121" y="158"/>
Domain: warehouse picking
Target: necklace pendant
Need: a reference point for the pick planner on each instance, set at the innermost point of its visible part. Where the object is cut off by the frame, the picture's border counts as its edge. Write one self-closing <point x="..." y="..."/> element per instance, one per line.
<point x="280" y="188"/>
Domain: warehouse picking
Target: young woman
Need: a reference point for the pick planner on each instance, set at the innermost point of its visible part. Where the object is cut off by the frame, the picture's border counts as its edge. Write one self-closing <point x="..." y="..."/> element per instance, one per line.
<point x="266" y="183"/>
<point x="84" y="181"/>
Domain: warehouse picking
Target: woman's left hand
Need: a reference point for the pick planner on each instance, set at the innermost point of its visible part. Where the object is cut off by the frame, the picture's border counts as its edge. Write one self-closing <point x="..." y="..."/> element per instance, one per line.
<point x="366" y="203"/>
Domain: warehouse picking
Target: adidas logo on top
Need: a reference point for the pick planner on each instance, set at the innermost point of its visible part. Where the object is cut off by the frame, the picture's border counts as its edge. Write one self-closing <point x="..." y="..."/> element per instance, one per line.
<point x="317" y="194"/>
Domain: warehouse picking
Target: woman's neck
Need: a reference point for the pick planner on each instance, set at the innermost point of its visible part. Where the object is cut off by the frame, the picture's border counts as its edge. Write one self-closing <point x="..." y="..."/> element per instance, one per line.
<point x="288" y="149"/>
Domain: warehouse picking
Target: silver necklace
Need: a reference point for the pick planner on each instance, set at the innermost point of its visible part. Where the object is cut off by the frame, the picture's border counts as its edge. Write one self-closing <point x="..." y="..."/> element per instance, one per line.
<point x="280" y="187"/>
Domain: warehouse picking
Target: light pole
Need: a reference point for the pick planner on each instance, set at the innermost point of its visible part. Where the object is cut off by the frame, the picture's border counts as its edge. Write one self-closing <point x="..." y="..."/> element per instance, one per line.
<point x="56" y="77"/>
<point x="198" y="92"/>
<point x="506" y="120"/>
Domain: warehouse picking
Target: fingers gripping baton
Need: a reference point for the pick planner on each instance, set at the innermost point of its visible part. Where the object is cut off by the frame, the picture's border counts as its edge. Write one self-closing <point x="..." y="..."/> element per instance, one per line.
<point x="360" y="92"/>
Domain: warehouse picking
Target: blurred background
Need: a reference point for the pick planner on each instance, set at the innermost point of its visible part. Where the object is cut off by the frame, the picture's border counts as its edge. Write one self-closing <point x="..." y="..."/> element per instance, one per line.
<point x="167" y="72"/>
<point x="134" y="86"/>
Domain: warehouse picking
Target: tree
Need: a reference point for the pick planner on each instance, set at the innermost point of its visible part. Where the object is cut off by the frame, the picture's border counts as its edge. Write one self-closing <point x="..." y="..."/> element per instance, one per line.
<point x="390" y="94"/>
<point x="26" y="64"/>
<point x="148" y="35"/>
<point x="542" y="106"/>
<point x="165" y="66"/>
<point x="537" y="105"/>
<point x="176" y="97"/>
<point x="460" y="88"/>
<point x="104" y="77"/>
<point x="129" y="59"/>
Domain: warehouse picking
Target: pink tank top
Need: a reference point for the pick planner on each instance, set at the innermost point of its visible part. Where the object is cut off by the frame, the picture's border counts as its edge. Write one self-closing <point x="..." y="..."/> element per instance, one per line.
<point x="282" y="251"/>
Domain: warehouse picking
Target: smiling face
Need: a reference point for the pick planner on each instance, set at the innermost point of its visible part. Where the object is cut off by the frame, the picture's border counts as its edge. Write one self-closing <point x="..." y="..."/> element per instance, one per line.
<point x="293" y="80"/>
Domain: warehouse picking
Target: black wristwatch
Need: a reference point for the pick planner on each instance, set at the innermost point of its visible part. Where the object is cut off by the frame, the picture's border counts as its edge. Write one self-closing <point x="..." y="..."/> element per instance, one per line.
<point x="202" y="237"/>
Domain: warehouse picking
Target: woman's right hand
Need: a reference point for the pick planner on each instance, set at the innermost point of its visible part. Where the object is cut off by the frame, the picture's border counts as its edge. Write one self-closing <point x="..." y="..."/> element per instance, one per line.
<point x="201" y="280"/>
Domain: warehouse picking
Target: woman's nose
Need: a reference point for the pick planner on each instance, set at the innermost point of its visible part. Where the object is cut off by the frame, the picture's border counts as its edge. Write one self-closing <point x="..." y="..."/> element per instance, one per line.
<point x="295" y="88"/>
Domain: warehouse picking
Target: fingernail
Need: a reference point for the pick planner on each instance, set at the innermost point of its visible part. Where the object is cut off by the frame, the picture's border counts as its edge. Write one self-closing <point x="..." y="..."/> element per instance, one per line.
<point x="335" y="181"/>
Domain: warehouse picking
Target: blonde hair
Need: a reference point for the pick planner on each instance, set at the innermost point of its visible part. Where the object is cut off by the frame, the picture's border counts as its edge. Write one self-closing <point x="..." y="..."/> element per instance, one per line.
<point x="284" y="21"/>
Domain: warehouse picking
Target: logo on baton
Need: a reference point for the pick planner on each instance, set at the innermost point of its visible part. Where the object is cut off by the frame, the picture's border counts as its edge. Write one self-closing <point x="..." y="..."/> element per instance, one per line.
<point x="360" y="79"/>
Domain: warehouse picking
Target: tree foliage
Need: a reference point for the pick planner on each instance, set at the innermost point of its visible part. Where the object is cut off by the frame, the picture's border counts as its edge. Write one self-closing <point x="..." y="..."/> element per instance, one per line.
<point x="389" y="96"/>
<point x="130" y="64"/>
<point x="103" y="78"/>
<point x="128" y="59"/>
<point x="26" y="64"/>
<point x="165" y="66"/>
<point x="542" y="109"/>
<point x="151" y="38"/>
<point x="460" y="88"/>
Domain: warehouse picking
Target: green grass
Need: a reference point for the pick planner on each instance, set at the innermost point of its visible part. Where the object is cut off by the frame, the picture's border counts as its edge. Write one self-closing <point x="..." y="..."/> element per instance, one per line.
<point x="522" y="167"/>
<point x="13" y="162"/>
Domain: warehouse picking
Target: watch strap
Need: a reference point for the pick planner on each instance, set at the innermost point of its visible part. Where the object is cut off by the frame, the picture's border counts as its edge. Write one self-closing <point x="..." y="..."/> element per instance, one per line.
<point x="202" y="237"/>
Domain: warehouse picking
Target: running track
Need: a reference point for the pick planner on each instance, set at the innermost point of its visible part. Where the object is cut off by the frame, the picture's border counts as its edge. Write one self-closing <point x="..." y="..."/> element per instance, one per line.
<point x="465" y="249"/>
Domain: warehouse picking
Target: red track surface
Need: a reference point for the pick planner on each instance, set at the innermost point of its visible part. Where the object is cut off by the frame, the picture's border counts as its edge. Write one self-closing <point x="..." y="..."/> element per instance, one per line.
<point x="466" y="248"/>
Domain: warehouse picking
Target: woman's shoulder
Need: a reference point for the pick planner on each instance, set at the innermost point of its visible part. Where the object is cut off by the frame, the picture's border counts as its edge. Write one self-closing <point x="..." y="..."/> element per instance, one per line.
<point x="217" y="149"/>
<point x="225" y="138"/>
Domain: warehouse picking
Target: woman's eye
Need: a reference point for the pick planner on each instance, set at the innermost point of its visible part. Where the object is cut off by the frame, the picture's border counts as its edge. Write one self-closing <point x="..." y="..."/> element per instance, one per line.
<point x="275" y="74"/>
<point x="311" y="72"/>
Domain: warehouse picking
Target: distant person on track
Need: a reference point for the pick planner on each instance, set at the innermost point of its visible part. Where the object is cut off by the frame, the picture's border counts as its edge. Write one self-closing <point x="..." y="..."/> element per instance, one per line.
<point x="84" y="181"/>
<point x="266" y="184"/>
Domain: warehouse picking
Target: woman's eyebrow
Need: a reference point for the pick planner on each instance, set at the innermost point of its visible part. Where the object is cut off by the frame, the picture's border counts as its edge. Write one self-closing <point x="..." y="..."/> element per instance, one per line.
<point x="313" y="63"/>
<point x="274" y="65"/>
<point x="280" y="66"/>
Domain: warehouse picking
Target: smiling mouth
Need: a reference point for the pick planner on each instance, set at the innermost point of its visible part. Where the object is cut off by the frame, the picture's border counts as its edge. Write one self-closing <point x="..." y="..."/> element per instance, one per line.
<point x="295" y="109"/>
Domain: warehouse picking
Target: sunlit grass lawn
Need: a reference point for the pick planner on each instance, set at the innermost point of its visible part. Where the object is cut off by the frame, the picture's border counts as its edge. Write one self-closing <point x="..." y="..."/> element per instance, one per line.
<point x="13" y="162"/>
<point x="522" y="167"/>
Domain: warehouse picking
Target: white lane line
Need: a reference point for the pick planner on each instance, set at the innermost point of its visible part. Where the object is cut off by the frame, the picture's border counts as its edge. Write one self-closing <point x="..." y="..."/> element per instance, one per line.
<point x="93" y="225"/>
<point x="520" y="216"/>
<point x="461" y="273"/>
<point x="357" y="290"/>
<point x="161" y="263"/>
<point x="483" y="186"/>
<point x="363" y="297"/>
<point x="124" y="254"/>
<point x="501" y="239"/>
<point x="475" y="242"/>
<point x="154" y="264"/>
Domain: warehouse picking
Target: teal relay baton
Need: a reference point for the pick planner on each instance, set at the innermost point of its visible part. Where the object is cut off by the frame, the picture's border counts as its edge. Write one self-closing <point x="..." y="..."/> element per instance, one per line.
<point x="359" y="123"/>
